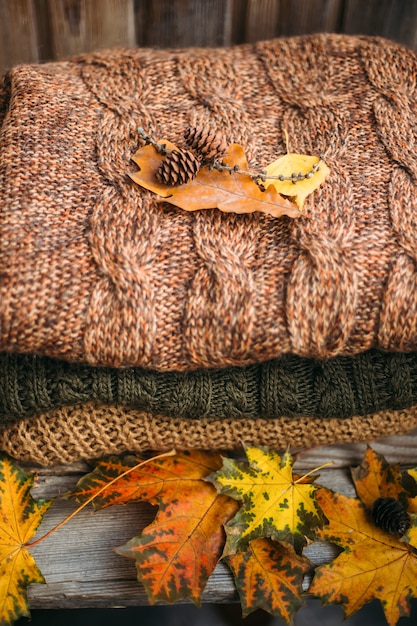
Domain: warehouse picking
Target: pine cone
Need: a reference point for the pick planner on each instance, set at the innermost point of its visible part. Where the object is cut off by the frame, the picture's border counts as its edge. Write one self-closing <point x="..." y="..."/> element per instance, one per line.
<point x="206" y="141"/>
<point x="179" y="167"/>
<point x="390" y="515"/>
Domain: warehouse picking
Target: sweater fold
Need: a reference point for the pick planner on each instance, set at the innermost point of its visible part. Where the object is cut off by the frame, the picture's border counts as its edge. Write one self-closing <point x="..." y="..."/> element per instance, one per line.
<point x="290" y="386"/>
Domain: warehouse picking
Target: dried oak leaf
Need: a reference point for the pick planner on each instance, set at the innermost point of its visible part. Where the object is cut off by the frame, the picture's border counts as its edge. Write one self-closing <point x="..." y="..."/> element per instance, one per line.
<point x="373" y="565"/>
<point x="269" y="576"/>
<point x="231" y="193"/>
<point x="178" y="551"/>
<point x="275" y="503"/>
<point x="20" y="516"/>
<point x="292" y="163"/>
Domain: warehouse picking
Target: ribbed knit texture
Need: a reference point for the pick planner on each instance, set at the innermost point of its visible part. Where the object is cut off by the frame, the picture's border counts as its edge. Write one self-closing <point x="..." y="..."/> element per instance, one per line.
<point x="87" y="431"/>
<point x="96" y="270"/>
<point x="291" y="386"/>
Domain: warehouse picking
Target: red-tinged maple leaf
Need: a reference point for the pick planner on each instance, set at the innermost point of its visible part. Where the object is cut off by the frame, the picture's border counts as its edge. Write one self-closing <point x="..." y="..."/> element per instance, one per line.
<point x="210" y="189"/>
<point x="269" y="576"/>
<point x="176" y="554"/>
<point x="157" y="480"/>
<point x="373" y="565"/>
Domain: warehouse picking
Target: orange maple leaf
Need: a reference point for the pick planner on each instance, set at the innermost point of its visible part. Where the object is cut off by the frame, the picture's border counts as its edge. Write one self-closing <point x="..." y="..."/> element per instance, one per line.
<point x="176" y="554"/>
<point x="237" y="193"/>
<point x="159" y="479"/>
<point x="269" y="576"/>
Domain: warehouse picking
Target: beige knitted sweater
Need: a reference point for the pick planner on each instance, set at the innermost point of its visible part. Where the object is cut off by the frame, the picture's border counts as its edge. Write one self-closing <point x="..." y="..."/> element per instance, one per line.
<point x="93" y="269"/>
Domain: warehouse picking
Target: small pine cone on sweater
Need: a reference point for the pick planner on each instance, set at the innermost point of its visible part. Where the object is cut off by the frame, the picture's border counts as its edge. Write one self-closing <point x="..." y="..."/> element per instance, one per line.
<point x="178" y="168"/>
<point x="207" y="141"/>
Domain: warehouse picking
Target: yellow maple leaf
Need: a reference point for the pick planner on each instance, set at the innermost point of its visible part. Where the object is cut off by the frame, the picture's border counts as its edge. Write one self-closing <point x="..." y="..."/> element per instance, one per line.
<point x="231" y="193"/>
<point x="374" y="564"/>
<point x="20" y="515"/>
<point x="310" y="169"/>
<point x="275" y="503"/>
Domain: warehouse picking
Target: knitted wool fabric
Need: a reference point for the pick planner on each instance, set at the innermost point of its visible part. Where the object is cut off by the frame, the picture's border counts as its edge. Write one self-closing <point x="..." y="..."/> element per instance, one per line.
<point x="291" y="385"/>
<point x="95" y="269"/>
<point x="87" y="431"/>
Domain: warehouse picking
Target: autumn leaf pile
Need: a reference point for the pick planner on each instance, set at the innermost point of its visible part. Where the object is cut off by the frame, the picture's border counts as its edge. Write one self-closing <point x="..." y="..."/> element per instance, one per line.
<point x="255" y="515"/>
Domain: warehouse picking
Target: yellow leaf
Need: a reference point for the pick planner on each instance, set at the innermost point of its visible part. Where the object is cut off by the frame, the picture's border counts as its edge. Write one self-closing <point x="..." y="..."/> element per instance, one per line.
<point x="290" y="164"/>
<point x="20" y="515"/>
<point x="275" y="503"/>
<point x="373" y="565"/>
<point x="210" y="189"/>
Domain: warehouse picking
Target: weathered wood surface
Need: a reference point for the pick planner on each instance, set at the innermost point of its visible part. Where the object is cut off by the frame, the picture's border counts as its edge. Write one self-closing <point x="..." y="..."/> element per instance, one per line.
<point x="182" y="23"/>
<point x="395" y="20"/>
<point x="84" y="25"/>
<point x="39" y="30"/>
<point x="82" y="570"/>
<point x="18" y="36"/>
<point x="266" y="19"/>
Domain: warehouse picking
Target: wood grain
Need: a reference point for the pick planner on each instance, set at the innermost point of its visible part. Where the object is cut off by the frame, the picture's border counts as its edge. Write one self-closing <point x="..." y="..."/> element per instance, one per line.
<point x="38" y="30"/>
<point x="85" y="25"/>
<point x="181" y="23"/>
<point x="266" y="19"/>
<point x="395" y="20"/>
<point x="18" y="36"/>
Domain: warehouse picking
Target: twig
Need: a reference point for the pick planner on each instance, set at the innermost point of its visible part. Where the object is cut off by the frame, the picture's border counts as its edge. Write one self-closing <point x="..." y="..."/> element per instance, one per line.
<point x="258" y="177"/>
<point x="91" y="498"/>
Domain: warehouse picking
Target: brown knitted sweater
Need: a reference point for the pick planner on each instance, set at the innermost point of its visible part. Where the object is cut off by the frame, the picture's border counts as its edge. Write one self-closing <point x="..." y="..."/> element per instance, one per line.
<point x="93" y="269"/>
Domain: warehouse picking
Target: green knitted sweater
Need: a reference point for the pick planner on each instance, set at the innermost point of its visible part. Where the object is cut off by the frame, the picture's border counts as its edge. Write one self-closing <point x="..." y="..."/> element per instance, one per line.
<point x="287" y="386"/>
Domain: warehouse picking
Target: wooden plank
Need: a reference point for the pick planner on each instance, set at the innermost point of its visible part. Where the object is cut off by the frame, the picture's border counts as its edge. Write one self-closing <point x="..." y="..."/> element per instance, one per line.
<point x="239" y="10"/>
<point x="18" y="37"/>
<point x="85" y="25"/>
<point x="396" y="449"/>
<point x="43" y="29"/>
<point x="181" y="23"/>
<point x="266" y="19"/>
<point x="82" y="570"/>
<point x="387" y="18"/>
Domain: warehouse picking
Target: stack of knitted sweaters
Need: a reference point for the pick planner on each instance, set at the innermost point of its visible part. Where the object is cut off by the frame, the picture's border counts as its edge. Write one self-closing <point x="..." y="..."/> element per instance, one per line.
<point x="129" y="324"/>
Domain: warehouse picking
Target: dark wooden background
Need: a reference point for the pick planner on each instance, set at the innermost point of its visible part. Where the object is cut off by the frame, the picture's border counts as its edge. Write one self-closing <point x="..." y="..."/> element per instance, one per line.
<point x="40" y="30"/>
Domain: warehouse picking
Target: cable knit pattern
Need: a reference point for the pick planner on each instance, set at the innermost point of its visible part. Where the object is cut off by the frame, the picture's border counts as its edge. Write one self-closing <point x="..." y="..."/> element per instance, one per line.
<point x="122" y="301"/>
<point x="96" y="270"/>
<point x="87" y="431"/>
<point x="395" y="109"/>
<point x="291" y="386"/>
<point x="324" y="271"/>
